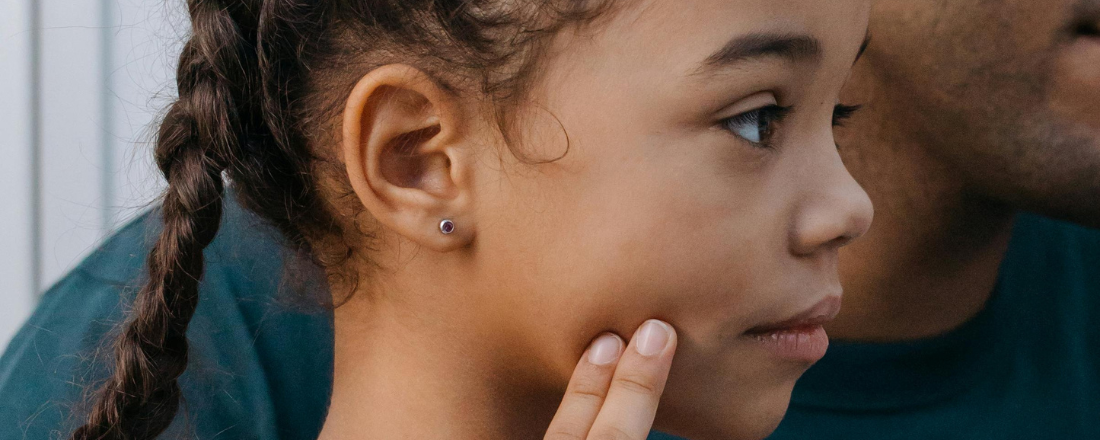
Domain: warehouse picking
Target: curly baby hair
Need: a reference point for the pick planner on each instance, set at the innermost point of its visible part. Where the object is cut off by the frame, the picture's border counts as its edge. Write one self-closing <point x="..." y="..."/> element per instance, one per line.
<point x="258" y="84"/>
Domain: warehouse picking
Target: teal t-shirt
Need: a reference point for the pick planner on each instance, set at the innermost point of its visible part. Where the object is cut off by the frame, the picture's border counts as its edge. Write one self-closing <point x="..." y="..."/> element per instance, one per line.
<point x="1027" y="367"/>
<point x="260" y="365"/>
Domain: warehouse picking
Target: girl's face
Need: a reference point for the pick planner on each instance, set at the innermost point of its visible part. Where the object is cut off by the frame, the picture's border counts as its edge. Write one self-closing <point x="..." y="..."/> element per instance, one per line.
<point x="701" y="186"/>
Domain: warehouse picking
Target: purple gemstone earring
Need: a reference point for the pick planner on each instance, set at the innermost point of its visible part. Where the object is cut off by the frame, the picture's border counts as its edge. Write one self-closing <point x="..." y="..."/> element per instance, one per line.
<point x="446" y="226"/>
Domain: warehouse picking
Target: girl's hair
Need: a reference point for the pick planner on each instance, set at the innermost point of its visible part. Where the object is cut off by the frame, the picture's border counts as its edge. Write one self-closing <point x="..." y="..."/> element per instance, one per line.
<point x="259" y="84"/>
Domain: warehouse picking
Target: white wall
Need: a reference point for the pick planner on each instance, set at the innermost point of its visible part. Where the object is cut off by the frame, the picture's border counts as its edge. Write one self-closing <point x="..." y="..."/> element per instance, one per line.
<point x="82" y="82"/>
<point x="71" y="132"/>
<point x="16" y="180"/>
<point x="146" y="37"/>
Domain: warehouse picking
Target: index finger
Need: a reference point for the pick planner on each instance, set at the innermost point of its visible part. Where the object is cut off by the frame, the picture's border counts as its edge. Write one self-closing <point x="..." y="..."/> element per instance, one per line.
<point x="639" y="381"/>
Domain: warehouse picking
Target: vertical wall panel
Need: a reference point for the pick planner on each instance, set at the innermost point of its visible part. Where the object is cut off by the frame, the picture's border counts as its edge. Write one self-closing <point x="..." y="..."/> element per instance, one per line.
<point x="103" y="71"/>
<point x="72" y="132"/>
<point x="16" y="214"/>
<point x="144" y="41"/>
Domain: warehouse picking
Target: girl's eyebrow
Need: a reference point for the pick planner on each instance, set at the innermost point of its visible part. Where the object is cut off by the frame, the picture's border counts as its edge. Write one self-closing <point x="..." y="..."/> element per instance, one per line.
<point x="795" y="48"/>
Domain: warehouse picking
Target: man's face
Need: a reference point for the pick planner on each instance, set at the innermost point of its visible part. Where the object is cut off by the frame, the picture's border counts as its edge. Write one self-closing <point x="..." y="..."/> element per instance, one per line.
<point x="1005" y="93"/>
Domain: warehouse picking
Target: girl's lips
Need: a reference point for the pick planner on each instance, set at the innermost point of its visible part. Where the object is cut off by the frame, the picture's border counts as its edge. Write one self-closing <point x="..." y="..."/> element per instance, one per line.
<point x="819" y="314"/>
<point x="802" y="337"/>
<point x="805" y="344"/>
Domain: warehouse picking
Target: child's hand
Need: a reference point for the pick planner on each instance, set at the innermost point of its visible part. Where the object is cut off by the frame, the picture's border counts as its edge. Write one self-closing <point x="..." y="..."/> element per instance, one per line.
<point x="613" y="393"/>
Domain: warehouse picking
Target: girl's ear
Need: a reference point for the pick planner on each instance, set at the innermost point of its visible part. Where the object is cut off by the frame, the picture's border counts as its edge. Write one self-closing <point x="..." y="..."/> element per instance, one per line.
<point x="408" y="156"/>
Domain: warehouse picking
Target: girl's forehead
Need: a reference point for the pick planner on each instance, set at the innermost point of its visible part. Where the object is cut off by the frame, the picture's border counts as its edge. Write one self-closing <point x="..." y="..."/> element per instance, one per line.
<point x="688" y="31"/>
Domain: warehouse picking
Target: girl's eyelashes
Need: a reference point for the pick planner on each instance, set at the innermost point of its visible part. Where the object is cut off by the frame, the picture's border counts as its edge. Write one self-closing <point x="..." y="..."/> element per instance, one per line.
<point x="756" y="126"/>
<point x="842" y="112"/>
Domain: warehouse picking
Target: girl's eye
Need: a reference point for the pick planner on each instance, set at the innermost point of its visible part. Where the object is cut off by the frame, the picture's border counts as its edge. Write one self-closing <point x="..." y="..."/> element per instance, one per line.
<point x="756" y="126"/>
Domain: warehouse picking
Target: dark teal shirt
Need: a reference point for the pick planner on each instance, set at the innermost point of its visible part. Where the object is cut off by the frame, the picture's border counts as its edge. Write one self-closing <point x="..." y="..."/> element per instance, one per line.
<point x="1027" y="367"/>
<point x="260" y="365"/>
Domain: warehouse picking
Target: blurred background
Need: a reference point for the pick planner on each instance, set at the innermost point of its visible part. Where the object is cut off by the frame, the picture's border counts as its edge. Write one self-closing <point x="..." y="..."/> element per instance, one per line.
<point x="81" y="85"/>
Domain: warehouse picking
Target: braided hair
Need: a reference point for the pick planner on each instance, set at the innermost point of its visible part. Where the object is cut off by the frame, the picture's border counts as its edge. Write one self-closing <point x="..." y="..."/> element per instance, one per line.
<point x="255" y="83"/>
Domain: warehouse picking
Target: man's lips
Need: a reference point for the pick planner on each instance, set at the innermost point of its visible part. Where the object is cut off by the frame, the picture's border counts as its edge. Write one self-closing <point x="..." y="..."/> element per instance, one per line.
<point x="819" y="314"/>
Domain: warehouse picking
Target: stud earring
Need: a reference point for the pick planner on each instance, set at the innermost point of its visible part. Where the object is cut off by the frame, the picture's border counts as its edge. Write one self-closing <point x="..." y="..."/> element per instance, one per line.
<point x="446" y="226"/>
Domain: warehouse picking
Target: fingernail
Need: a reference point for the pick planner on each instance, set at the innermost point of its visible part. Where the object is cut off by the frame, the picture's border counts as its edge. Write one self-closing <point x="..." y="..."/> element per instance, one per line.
<point x="652" y="337"/>
<point x="605" y="350"/>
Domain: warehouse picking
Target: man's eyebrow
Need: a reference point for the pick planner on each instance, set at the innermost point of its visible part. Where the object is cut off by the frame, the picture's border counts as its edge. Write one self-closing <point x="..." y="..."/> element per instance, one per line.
<point x="787" y="46"/>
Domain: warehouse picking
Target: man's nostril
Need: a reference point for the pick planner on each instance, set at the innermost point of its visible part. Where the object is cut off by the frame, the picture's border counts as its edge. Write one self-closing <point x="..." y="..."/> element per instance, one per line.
<point x="1088" y="29"/>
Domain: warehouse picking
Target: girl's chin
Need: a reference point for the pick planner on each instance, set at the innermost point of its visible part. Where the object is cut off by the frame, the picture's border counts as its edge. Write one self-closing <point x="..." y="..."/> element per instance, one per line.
<point x="736" y="416"/>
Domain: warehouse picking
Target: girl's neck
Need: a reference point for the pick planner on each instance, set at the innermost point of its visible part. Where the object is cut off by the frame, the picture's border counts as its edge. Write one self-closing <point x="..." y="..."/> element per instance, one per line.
<point x="399" y="374"/>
